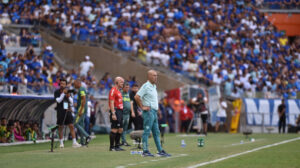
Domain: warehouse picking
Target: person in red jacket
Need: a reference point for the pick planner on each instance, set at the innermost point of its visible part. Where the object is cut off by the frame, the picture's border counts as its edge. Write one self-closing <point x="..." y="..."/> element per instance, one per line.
<point x="186" y="116"/>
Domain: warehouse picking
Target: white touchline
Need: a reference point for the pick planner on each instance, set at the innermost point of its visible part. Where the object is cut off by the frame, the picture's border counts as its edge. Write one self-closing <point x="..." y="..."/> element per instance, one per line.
<point x="242" y="153"/>
<point x="235" y="144"/>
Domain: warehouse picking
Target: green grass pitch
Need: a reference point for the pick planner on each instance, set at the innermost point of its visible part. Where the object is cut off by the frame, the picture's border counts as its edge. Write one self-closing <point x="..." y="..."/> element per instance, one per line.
<point x="216" y="146"/>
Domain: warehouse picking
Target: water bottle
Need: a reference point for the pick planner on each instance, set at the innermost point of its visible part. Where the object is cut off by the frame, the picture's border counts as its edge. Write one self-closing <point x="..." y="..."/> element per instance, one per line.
<point x="43" y="136"/>
<point x="132" y="152"/>
<point x="200" y="142"/>
<point x="12" y="138"/>
<point x="183" y="143"/>
<point x="28" y="136"/>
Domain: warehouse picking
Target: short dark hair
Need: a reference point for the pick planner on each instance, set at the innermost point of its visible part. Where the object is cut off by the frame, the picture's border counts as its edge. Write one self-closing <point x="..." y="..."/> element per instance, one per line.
<point x="63" y="80"/>
<point x="135" y="85"/>
<point x="10" y="123"/>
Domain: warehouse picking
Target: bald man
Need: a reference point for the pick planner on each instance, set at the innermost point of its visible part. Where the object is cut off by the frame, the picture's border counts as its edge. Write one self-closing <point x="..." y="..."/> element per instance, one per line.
<point x="147" y="100"/>
<point x="81" y="111"/>
<point x="116" y="114"/>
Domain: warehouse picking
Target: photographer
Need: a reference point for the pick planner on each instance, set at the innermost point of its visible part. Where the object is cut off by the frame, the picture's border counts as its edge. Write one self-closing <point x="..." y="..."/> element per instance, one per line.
<point x="200" y="106"/>
<point x="64" y="113"/>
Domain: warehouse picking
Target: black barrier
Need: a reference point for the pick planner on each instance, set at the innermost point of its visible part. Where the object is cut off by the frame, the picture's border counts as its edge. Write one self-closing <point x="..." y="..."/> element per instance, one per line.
<point x="24" y="108"/>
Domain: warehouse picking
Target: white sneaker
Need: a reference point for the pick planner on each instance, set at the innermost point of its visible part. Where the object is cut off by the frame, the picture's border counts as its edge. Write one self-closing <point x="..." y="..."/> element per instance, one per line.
<point x="61" y="146"/>
<point x="76" y="145"/>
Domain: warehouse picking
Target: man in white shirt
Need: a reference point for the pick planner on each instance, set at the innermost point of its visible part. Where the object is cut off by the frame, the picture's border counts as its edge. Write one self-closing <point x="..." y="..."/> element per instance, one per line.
<point x="87" y="9"/>
<point x="221" y="114"/>
<point x="143" y="31"/>
<point x="156" y="56"/>
<point x="86" y="66"/>
<point x="185" y="64"/>
<point x="88" y="116"/>
<point x="217" y="78"/>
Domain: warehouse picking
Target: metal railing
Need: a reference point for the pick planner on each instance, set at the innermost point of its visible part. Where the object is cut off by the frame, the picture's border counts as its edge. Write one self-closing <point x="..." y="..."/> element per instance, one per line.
<point x="278" y="8"/>
<point x="15" y="29"/>
<point x="22" y="89"/>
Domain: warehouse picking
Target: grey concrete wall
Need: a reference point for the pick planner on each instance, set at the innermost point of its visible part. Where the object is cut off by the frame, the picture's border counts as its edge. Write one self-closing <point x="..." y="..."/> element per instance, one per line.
<point x="107" y="61"/>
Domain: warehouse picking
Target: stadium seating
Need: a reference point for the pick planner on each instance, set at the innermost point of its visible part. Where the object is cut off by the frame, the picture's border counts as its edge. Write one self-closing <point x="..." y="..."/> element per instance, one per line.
<point x="227" y="42"/>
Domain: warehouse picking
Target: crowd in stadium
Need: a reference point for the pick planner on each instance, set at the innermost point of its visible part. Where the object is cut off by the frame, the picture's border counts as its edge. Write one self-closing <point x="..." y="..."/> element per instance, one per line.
<point x="226" y="42"/>
<point x="38" y="71"/>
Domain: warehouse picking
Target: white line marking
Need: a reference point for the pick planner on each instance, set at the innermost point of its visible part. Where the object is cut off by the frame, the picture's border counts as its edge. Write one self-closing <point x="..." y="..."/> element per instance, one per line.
<point x="154" y="160"/>
<point x="132" y="164"/>
<point x="164" y="158"/>
<point x="25" y="142"/>
<point x="243" y="153"/>
<point x="243" y="143"/>
<point x="190" y="135"/>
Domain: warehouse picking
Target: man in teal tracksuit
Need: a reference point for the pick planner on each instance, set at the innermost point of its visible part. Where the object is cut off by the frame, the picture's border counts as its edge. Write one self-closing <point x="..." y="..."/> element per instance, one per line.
<point x="81" y="110"/>
<point x="126" y="112"/>
<point x="147" y="100"/>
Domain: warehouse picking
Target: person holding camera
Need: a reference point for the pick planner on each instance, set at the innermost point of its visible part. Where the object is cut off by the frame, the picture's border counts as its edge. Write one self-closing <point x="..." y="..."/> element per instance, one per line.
<point x="200" y="104"/>
<point x="64" y="113"/>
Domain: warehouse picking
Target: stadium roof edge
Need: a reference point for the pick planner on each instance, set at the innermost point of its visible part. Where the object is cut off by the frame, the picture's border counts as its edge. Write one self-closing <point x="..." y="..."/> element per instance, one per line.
<point x="280" y="11"/>
<point x="29" y="96"/>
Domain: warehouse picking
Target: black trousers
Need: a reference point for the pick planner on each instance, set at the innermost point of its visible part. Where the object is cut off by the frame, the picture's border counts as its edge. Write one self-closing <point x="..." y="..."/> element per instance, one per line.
<point x="138" y="122"/>
<point x="282" y="124"/>
<point x="185" y="125"/>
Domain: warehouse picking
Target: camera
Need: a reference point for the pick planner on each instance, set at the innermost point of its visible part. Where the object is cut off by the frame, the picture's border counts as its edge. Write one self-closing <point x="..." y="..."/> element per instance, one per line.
<point x="72" y="91"/>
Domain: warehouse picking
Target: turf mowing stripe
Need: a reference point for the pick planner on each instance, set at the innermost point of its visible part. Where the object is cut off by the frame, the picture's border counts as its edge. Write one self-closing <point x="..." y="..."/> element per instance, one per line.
<point x="154" y="160"/>
<point x="242" y="153"/>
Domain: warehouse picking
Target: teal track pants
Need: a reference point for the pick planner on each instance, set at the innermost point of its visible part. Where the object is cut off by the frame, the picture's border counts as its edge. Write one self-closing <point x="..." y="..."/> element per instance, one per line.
<point x="151" y="124"/>
<point x="80" y="127"/>
<point x="125" y="126"/>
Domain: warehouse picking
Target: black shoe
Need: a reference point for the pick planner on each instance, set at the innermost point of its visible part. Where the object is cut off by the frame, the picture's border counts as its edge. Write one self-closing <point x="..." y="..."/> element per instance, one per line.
<point x="119" y="149"/>
<point x="125" y="144"/>
<point x="147" y="154"/>
<point x="163" y="154"/>
<point x="112" y="149"/>
<point x="87" y="140"/>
